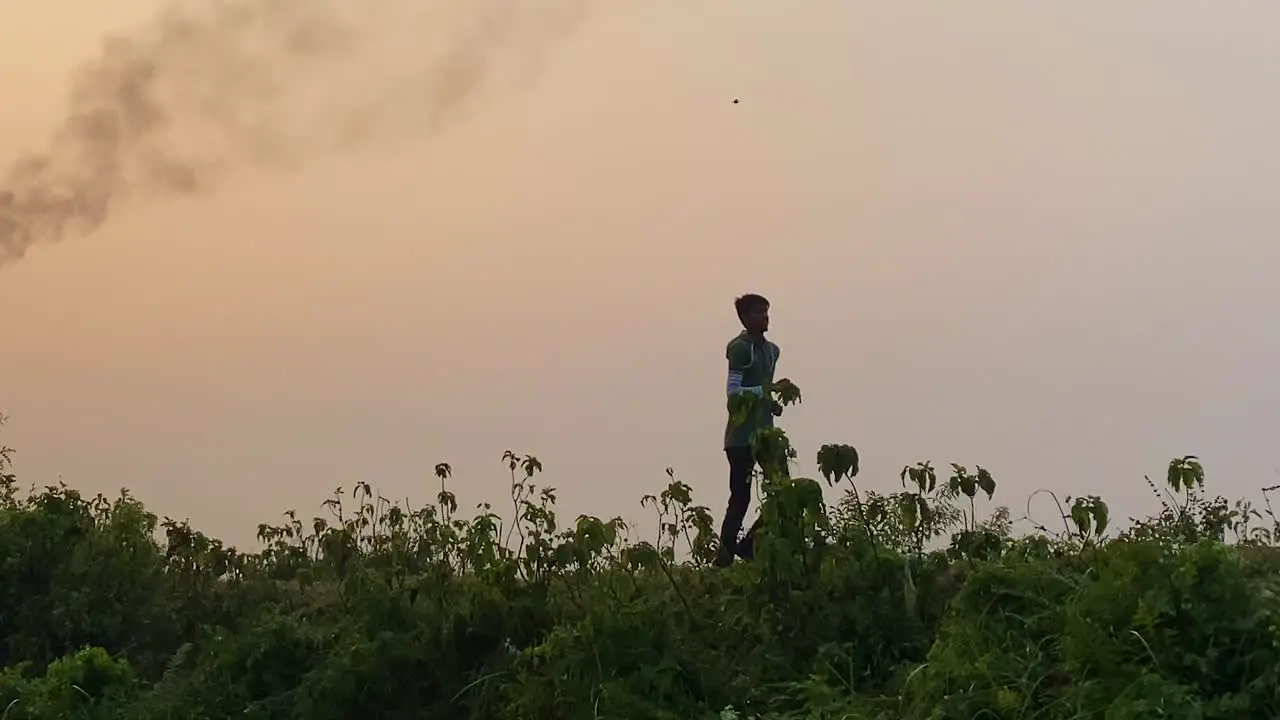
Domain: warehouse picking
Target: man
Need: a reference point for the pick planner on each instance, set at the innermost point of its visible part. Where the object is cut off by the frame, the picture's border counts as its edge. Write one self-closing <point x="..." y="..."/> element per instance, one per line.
<point x="752" y="360"/>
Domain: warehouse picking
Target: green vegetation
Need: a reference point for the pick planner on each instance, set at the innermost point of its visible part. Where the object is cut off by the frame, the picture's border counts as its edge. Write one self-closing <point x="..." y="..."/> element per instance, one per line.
<point x="904" y="605"/>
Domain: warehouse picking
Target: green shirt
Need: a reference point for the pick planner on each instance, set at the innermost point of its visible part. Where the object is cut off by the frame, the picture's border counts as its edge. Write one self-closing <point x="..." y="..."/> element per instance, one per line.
<point x="751" y="365"/>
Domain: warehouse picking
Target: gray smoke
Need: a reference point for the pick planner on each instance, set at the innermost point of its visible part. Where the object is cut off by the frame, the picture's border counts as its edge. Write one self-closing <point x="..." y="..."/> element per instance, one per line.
<point x="220" y="85"/>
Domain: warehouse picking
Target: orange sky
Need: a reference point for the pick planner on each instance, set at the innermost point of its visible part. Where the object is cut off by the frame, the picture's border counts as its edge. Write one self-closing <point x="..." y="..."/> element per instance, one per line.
<point x="1032" y="236"/>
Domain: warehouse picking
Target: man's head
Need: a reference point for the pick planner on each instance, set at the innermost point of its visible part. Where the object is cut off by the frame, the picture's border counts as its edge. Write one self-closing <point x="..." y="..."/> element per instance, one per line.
<point x="753" y="311"/>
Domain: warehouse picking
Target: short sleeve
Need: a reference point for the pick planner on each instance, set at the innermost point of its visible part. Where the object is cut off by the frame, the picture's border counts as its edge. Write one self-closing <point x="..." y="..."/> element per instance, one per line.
<point x="740" y="356"/>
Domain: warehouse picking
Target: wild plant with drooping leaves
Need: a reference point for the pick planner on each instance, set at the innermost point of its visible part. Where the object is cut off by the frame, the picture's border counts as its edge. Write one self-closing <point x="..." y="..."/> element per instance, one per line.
<point x="904" y="598"/>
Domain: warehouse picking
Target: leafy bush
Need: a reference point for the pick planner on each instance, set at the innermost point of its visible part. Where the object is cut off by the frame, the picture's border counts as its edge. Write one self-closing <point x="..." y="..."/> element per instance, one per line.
<point x="900" y="605"/>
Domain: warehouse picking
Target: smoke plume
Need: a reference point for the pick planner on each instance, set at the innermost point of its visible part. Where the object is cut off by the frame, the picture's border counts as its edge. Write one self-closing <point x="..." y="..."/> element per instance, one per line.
<point x="209" y="88"/>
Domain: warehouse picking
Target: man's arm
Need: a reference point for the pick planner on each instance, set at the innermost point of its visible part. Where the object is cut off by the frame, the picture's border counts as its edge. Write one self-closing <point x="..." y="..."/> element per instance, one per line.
<point x="740" y="357"/>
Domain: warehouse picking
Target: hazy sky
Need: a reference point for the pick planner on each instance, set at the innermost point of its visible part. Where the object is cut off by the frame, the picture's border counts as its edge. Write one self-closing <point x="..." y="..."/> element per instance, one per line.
<point x="1040" y="237"/>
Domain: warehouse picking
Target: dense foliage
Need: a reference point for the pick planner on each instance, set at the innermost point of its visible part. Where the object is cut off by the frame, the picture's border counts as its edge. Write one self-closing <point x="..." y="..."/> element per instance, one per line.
<point x="902" y="605"/>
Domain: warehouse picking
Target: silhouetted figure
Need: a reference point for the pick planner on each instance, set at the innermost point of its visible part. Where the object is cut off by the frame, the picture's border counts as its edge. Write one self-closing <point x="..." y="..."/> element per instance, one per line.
<point x="752" y="361"/>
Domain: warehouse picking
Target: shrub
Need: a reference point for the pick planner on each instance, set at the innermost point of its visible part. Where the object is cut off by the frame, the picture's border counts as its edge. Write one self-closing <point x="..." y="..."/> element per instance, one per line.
<point x="897" y="605"/>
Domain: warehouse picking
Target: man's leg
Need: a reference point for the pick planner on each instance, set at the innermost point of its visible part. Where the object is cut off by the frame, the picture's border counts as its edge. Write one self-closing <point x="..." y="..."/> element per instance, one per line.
<point x="746" y="548"/>
<point x="741" y="463"/>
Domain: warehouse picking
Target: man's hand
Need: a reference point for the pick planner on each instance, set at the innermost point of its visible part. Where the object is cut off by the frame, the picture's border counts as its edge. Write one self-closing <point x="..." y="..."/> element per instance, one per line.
<point x="777" y="409"/>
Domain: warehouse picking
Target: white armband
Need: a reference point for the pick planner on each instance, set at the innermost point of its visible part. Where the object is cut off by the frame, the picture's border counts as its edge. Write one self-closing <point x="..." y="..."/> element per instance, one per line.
<point x="734" y="385"/>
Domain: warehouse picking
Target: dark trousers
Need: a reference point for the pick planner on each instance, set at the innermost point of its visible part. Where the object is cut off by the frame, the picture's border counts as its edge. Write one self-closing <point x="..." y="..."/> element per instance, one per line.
<point x="742" y="461"/>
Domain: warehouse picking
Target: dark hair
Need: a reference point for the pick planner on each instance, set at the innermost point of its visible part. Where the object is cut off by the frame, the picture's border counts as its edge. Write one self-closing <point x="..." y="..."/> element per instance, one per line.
<point x="749" y="303"/>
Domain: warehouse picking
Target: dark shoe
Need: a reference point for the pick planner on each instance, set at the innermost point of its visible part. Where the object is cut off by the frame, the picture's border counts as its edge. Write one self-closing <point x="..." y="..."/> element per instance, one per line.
<point x="724" y="556"/>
